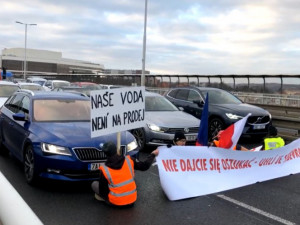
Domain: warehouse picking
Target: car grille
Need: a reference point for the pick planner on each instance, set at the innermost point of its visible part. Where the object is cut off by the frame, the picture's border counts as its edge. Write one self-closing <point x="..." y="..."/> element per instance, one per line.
<point x="93" y="154"/>
<point x="258" y="119"/>
<point x="191" y="130"/>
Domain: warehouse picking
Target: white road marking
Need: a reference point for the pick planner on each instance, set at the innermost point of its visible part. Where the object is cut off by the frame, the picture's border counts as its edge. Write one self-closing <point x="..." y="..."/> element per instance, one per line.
<point x="261" y="212"/>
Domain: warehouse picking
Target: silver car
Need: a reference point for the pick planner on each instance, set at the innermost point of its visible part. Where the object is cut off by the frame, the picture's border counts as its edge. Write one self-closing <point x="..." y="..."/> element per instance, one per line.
<point x="163" y="119"/>
<point x="7" y="88"/>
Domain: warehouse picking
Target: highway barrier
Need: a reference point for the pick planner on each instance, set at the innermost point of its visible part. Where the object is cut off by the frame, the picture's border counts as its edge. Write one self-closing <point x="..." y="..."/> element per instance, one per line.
<point x="13" y="209"/>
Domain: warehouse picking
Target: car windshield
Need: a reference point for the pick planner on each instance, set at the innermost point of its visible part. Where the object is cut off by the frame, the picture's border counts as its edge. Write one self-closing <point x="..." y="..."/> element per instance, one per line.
<point x="40" y="82"/>
<point x="157" y="103"/>
<point x="61" y="110"/>
<point x="221" y="97"/>
<point x="7" y="90"/>
<point x="60" y="84"/>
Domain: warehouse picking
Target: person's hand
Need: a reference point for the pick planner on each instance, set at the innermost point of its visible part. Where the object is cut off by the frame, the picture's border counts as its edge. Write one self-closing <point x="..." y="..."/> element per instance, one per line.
<point x="155" y="152"/>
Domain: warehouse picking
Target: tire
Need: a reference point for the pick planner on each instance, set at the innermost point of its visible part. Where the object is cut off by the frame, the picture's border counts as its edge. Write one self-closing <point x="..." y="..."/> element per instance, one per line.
<point x="140" y="137"/>
<point x="29" y="165"/>
<point x="215" y="125"/>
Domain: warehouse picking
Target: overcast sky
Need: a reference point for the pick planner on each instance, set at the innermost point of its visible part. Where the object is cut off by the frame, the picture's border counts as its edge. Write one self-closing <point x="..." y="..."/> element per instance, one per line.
<point x="183" y="36"/>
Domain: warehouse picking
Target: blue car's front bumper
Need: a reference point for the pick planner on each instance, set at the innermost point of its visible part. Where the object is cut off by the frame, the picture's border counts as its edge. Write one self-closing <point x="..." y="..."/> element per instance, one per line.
<point x="67" y="168"/>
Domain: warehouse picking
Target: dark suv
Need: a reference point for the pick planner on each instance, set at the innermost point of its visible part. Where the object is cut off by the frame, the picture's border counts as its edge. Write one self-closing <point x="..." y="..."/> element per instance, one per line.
<point x="224" y="109"/>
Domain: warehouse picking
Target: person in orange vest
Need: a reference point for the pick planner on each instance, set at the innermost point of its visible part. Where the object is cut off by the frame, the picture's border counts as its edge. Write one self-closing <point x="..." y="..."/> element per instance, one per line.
<point x="116" y="185"/>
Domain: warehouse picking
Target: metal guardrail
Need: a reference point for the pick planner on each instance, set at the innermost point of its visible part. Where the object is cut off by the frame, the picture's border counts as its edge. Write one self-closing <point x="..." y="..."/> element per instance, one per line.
<point x="269" y="99"/>
<point x="13" y="209"/>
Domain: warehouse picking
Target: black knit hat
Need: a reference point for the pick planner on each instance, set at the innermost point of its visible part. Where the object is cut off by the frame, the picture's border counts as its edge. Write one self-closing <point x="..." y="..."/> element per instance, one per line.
<point x="272" y="131"/>
<point x="179" y="135"/>
<point x="109" y="148"/>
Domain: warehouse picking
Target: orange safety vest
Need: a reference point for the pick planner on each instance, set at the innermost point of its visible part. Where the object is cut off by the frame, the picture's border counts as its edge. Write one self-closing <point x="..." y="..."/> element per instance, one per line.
<point x="217" y="144"/>
<point x="121" y="184"/>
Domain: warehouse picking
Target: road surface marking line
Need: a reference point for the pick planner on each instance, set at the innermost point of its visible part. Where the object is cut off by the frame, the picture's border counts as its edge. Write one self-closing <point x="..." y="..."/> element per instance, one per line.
<point x="251" y="208"/>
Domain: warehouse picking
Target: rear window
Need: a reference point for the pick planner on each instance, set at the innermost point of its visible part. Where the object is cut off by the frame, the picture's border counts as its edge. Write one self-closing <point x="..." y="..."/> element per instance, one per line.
<point x="61" y="84"/>
<point x="32" y="87"/>
<point x="7" y="90"/>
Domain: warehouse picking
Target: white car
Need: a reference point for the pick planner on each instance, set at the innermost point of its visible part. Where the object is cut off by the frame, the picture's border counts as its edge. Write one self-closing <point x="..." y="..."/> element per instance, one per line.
<point x="31" y="86"/>
<point x="7" y="89"/>
<point x="36" y="80"/>
<point x="51" y="84"/>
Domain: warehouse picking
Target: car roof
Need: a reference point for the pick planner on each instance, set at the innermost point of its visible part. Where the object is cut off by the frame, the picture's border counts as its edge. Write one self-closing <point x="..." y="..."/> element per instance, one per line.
<point x="36" y="78"/>
<point x="149" y="93"/>
<point x="83" y="83"/>
<point x="57" y="95"/>
<point x="59" y="81"/>
<point x="200" y="88"/>
<point x="25" y="83"/>
<point x="8" y="83"/>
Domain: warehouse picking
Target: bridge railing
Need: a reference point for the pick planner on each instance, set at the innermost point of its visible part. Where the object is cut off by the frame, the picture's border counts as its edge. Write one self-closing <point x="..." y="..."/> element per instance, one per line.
<point x="269" y="99"/>
<point x="257" y="89"/>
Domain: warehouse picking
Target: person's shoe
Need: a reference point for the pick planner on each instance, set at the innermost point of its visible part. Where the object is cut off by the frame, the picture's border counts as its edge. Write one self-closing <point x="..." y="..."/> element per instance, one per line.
<point x="98" y="197"/>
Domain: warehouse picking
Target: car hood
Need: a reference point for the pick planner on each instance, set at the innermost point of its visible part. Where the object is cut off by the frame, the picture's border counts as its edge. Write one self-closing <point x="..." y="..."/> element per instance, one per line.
<point x="75" y="134"/>
<point x="241" y="109"/>
<point x="172" y="119"/>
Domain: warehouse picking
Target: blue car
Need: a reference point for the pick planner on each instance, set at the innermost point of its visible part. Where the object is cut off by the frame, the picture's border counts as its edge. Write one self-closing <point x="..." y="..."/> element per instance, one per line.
<point x="50" y="133"/>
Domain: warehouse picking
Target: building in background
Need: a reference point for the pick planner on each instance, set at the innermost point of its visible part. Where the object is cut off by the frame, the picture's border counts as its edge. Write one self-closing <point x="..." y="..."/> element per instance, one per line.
<point x="116" y="71"/>
<point x="46" y="62"/>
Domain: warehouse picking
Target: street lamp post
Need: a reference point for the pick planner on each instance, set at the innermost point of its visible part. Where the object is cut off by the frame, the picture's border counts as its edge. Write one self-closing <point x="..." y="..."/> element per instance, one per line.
<point x="25" y="50"/>
<point x="144" y="46"/>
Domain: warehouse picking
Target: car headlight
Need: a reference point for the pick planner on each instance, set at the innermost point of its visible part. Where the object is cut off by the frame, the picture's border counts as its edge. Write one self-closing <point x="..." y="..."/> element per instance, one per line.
<point x="233" y="116"/>
<point x="131" y="146"/>
<point x="156" y="128"/>
<point x="55" y="149"/>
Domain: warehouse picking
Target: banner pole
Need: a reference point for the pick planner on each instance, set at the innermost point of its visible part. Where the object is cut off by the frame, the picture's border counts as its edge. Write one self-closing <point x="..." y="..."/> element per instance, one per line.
<point x="119" y="143"/>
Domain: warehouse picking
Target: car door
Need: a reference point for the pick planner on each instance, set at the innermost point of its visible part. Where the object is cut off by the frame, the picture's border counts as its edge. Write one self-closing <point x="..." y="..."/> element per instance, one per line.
<point x="14" y="131"/>
<point x="195" y="104"/>
<point x="179" y="97"/>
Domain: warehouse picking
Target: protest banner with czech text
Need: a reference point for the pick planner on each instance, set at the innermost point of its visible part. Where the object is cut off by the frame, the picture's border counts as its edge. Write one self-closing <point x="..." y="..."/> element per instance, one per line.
<point x="116" y="110"/>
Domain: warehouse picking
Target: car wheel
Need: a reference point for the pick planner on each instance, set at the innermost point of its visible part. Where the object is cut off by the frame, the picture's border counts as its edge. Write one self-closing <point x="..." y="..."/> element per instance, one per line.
<point x="29" y="167"/>
<point x="140" y="137"/>
<point x="215" y="126"/>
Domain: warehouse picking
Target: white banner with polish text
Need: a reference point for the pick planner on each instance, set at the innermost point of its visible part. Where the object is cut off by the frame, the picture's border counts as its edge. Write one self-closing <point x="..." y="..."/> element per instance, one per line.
<point x="190" y="171"/>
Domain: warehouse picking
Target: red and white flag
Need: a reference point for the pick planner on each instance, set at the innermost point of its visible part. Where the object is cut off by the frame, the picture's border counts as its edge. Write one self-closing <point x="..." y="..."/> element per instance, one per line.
<point x="231" y="135"/>
<point x="256" y="149"/>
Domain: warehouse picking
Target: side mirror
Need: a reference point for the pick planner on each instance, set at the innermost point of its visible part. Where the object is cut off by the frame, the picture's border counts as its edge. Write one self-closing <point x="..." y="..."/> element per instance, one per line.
<point x="181" y="108"/>
<point x="199" y="103"/>
<point x="20" y="117"/>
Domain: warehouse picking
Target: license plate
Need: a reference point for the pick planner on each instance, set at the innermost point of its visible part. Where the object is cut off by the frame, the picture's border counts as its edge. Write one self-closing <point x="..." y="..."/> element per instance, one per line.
<point x="258" y="126"/>
<point x="94" y="166"/>
<point x="190" y="137"/>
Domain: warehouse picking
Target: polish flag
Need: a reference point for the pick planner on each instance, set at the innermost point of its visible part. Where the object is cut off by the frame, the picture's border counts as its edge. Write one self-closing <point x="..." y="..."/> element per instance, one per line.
<point x="231" y="135"/>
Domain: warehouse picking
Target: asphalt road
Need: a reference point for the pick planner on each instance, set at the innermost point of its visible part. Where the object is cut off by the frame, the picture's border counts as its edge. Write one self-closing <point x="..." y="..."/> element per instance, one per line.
<point x="271" y="202"/>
